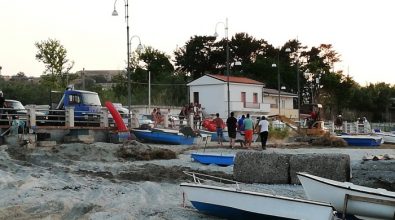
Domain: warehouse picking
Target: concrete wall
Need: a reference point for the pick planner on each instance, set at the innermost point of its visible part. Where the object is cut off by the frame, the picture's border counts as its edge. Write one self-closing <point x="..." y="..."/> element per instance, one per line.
<point x="274" y="168"/>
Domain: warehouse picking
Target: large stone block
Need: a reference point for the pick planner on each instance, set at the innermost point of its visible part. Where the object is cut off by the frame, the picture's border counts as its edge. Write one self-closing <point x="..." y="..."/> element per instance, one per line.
<point x="261" y="167"/>
<point x="331" y="166"/>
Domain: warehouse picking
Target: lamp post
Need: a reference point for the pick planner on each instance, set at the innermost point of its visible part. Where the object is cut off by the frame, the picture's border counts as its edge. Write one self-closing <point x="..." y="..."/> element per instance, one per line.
<point x="115" y="13"/>
<point x="278" y="77"/>
<point x="227" y="59"/>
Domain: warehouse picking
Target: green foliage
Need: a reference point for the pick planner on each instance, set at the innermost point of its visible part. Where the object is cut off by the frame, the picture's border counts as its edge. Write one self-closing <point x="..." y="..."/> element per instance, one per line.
<point x="278" y="133"/>
<point x="57" y="66"/>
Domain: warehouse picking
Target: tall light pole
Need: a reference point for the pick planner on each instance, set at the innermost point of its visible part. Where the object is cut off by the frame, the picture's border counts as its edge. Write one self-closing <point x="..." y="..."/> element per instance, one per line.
<point x="278" y="77"/>
<point x="115" y="13"/>
<point x="227" y="59"/>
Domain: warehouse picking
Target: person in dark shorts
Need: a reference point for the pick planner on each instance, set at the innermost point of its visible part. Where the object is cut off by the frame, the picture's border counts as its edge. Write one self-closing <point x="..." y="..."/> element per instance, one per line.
<point x="231" y="123"/>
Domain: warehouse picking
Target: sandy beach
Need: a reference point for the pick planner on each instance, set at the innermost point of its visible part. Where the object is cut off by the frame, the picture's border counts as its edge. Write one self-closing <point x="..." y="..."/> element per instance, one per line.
<point x="92" y="181"/>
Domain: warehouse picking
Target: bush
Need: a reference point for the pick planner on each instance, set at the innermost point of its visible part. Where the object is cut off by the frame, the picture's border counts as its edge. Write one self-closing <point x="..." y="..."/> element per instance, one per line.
<point x="278" y="133"/>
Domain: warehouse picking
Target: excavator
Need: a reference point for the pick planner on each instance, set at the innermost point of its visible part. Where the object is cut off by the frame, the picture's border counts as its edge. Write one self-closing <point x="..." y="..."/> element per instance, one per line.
<point x="311" y="123"/>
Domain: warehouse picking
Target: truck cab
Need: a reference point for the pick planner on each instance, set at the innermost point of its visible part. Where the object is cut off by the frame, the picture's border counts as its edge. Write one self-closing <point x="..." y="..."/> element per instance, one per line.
<point x="85" y="103"/>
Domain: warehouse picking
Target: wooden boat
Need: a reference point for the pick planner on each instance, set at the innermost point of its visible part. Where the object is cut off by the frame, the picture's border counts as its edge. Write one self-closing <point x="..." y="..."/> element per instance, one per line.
<point x="349" y="198"/>
<point x="235" y="203"/>
<point x="210" y="158"/>
<point x="362" y="140"/>
<point x="155" y="136"/>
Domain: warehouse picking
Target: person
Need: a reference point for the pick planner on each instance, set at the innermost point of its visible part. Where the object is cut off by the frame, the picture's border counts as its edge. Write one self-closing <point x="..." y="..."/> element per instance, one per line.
<point x="248" y="130"/>
<point x="159" y="116"/>
<point x="153" y="115"/>
<point x="2" y="102"/>
<point x="240" y="126"/>
<point x="264" y="131"/>
<point x="171" y="119"/>
<point x="219" y="124"/>
<point x="339" y="123"/>
<point x="231" y="123"/>
<point x="182" y="114"/>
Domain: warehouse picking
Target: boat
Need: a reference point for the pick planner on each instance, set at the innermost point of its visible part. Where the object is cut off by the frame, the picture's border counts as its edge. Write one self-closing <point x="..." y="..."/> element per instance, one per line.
<point x="214" y="136"/>
<point x="235" y="203"/>
<point x="348" y="198"/>
<point x="388" y="137"/>
<point x="211" y="158"/>
<point x="157" y="136"/>
<point x="362" y="140"/>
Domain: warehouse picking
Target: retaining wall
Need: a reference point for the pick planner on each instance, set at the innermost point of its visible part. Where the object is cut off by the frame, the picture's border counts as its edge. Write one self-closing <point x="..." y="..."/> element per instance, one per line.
<point x="276" y="168"/>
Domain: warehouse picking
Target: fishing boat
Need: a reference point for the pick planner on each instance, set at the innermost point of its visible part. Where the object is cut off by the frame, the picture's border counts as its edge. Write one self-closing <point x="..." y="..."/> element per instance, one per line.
<point x="235" y="203"/>
<point x="214" y="136"/>
<point x="157" y="136"/>
<point x="212" y="158"/>
<point x="348" y="198"/>
<point x="362" y="140"/>
<point x="388" y="137"/>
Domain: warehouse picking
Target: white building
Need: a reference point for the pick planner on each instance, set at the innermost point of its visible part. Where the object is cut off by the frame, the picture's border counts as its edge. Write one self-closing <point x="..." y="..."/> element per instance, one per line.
<point x="246" y="95"/>
<point x="288" y="107"/>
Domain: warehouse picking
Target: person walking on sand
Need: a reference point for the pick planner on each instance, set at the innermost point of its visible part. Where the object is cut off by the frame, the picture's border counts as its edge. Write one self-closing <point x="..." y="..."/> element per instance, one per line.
<point x="231" y="123"/>
<point x="248" y="130"/>
<point x="219" y="124"/>
<point x="264" y="131"/>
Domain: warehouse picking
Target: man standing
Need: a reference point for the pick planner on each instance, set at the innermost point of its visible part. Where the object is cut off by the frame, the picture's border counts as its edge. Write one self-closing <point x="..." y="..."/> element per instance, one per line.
<point x="248" y="130"/>
<point x="2" y="101"/>
<point x="264" y="131"/>
<point x="231" y="122"/>
<point x="219" y="124"/>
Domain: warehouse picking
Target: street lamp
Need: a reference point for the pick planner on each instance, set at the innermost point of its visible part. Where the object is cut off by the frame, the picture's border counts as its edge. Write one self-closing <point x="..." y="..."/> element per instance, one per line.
<point x="227" y="57"/>
<point x="115" y="13"/>
<point x="278" y="77"/>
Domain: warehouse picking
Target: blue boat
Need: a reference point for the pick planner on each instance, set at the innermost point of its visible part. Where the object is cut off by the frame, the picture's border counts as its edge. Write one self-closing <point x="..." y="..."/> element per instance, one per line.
<point x="214" y="136"/>
<point x="362" y="140"/>
<point x="163" y="137"/>
<point x="218" y="159"/>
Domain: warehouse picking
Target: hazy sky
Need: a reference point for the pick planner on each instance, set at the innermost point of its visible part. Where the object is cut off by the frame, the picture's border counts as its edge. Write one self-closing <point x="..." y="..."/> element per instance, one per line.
<point x="361" y="31"/>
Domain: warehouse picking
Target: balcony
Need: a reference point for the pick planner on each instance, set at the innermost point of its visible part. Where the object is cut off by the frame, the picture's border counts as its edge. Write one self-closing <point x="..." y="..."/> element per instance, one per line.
<point x="250" y="106"/>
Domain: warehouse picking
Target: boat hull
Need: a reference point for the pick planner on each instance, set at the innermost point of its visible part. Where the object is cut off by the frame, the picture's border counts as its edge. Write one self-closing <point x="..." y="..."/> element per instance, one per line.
<point x="334" y="192"/>
<point x="220" y="160"/>
<point x="163" y="137"/>
<point x="239" y="204"/>
<point x="388" y="138"/>
<point x="357" y="140"/>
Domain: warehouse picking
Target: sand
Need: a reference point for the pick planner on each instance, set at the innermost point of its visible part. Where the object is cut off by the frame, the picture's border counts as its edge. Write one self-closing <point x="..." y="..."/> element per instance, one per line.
<point x="80" y="181"/>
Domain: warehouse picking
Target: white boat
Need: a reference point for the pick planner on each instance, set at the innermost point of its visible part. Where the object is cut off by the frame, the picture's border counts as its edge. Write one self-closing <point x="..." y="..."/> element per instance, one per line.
<point x="235" y="203"/>
<point x="349" y="198"/>
<point x="388" y="137"/>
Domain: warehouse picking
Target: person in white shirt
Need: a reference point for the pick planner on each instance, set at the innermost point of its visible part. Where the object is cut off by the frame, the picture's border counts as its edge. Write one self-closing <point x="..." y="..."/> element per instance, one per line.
<point x="264" y="131"/>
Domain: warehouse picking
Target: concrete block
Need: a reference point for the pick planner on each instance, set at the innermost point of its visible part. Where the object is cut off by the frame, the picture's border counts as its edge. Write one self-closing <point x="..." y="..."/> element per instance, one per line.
<point x="331" y="166"/>
<point x="261" y="167"/>
<point x="87" y="139"/>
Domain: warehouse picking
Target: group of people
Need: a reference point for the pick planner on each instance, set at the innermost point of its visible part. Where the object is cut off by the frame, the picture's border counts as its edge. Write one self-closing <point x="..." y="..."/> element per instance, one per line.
<point x="196" y="110"/>
<point x="245" y="126"/>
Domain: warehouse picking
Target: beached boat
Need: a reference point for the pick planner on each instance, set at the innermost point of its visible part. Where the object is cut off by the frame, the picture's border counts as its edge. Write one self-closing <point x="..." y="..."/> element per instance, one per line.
<point x="211" y="158"/>
<point x="362" y="140"/>
<point x="235" y="203"/>
<point x="349" y="198"/>
<point x="157" y="136"/>
<point x="214" y="136"/>
<point x="388" y="137"/>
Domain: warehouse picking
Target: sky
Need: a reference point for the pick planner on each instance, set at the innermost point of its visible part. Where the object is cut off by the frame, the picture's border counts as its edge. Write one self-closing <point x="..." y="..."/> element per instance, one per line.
<point x="360" y="31"/>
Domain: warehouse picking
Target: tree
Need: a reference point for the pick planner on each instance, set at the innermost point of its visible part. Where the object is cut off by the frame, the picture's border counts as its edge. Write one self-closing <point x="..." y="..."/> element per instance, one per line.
<point x="57" y="66"/>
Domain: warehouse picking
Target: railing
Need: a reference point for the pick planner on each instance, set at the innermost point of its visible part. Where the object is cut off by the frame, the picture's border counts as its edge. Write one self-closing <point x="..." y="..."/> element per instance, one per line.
<point x="251" y="105"/>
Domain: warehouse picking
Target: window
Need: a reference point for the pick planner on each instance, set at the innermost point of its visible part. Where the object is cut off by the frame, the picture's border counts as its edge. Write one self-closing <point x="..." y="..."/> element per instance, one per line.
<point x="255" y="98"/>
<point x="243" y="98"/>
<point x="196" y="97"/>
<point x="74" y="99"/>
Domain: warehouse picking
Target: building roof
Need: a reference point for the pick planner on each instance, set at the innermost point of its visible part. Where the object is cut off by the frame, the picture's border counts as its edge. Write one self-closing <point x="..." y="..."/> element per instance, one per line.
<point x="275" y="92"/>
<point x="235" y="79"/>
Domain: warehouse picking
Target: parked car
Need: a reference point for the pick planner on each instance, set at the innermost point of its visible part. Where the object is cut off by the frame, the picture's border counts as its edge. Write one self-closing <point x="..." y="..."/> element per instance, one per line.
<point x="15" y="108"/>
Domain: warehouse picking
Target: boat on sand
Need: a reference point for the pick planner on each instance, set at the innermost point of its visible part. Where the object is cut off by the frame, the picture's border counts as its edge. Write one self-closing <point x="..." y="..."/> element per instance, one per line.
<point x="235" y="203"/>
<point x="348" y="198"/>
